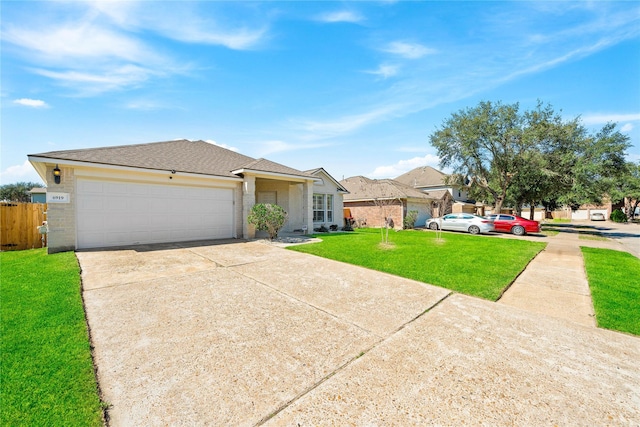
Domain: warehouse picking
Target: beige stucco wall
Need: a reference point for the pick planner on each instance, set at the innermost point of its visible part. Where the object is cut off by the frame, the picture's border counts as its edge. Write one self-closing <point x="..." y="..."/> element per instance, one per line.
<point x="327" y="186"/>
<point x="61" y="217"/>
<point x="281" y="188"/>
<point x="295" y="198"/>
<point x="296" y="213"/>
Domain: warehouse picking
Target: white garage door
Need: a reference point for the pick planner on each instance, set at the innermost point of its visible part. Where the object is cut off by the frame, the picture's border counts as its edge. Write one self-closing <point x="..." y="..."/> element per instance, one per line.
<point x="124" y="213"/>
<point x="580" y="214"/>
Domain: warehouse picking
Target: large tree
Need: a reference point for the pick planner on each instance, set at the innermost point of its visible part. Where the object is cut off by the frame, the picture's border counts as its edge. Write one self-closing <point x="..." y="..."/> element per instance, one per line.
<point x="545" y="172"/>
<point x="599" y="166"/>
<point x="530" y="157"/>
<point x="18" y="192"/>
<point x="627" y="189"/>
<point x="484" y="144"/>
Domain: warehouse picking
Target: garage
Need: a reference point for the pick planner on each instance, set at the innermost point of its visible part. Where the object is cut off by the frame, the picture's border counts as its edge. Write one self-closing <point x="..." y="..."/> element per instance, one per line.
<point x="115" y="213"/>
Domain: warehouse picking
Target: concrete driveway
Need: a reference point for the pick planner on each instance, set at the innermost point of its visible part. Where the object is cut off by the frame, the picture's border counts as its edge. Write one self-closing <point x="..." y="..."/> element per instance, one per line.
<point x="246" y="333"/>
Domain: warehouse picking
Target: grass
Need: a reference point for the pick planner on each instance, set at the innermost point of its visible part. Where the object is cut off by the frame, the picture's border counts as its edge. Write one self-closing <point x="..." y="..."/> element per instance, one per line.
<point x="46" y="371"/>
<point x="473" y="265"/>
<point x="592" y="236"/>
<point x="615" y="288"/>
<point x="547" y="231"/>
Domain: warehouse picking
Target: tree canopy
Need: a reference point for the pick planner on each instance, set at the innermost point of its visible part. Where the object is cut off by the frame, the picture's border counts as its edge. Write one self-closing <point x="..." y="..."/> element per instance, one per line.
<point x="18" y="192"/>
<point x="529" y="157"/>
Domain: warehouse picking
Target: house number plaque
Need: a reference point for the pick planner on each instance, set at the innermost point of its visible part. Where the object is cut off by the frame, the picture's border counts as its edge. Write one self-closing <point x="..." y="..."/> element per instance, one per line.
<point x="58" y="197"/>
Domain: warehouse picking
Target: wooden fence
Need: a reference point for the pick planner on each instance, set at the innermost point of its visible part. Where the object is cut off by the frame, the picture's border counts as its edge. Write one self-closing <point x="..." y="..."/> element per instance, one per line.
<point x="19" y="224"/>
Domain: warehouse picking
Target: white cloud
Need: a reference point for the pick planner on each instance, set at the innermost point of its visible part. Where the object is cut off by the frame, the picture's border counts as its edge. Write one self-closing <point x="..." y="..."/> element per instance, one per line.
<point x="277" y="146"/>
<point x="101" y="46"/>
<point x="347" y="124"/>
<point x="402" y="166"/>
<point x="340" y="16"/>
<point x="628" y="127"/>
<point x="228" y="147"/>
<point x="597" y="119"/>
<point x="87" y="83"/>
<point x="58" y="44"/>
<point x="408" y="50"/>
<point x="233" y="39"/>
<point x="35" y="103"/>
<point x="19" y="173"/>
<point x="385" y="70"/>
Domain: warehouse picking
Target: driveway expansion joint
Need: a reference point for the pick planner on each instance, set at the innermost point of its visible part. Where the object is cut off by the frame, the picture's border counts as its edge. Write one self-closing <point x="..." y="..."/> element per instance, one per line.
<point x="350" y="361"/>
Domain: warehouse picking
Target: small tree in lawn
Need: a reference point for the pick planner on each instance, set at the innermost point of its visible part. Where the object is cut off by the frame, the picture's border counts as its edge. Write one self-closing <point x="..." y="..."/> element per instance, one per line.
<point x="267" y="217"/>
<point x="438" y="204"/>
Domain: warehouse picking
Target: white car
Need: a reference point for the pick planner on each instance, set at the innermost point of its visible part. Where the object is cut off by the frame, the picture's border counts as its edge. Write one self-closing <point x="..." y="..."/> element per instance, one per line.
<point x="473" y="224"/>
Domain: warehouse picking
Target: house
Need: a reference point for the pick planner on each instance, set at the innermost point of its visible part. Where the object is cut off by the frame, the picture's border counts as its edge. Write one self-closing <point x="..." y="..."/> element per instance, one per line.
<point x="328" y="197"/>
<point x="432" y="181"/>
<point x="583" y="213"/>
<point x="38" y="195"/>
<point x="371" y="201"/>
<point x="171" y="191"/>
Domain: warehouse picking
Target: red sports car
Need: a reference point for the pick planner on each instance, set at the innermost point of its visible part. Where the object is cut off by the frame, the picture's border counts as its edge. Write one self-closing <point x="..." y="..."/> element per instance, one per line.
<point x="514" y="224"/>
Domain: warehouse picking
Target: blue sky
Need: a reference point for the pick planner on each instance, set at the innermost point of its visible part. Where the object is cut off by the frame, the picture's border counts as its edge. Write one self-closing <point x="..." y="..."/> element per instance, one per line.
<point x="354" y="87"/>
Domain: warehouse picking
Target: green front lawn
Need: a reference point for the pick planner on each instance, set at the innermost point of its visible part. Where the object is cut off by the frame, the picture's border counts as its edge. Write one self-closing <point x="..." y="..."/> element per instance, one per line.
<point x="614" y="279"/>
<point x="481" y="266"/>
<point x="46" y="371"/>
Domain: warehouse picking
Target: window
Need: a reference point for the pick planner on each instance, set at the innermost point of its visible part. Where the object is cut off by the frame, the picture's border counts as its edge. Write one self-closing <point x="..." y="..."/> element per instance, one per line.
<point x="318" y="208"/>
<point x="323" y="207"/>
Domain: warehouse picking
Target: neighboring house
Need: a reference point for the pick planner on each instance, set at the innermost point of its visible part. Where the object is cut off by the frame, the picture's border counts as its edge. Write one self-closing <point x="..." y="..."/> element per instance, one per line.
<point x="583" y="213"/>
<point x="370" y="201"/>
<point x="38" y="195"/>
<point x="167" y="192"/>
<point x="432" y="181"/>
<point x="328" y="195"/>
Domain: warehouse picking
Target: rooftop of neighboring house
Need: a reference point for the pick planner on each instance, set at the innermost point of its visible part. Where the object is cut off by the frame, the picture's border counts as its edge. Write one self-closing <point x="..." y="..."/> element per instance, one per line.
<point x="363" y="188"/>
<point x="424" y="176"/>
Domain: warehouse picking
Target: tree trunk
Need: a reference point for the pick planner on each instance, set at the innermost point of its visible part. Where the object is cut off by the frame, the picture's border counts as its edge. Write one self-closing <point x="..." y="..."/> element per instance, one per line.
<point x="498" y="206"/>
<point x="519" y="209"/>
<point x="630" y="208"/>
<point x="532" y="211"/>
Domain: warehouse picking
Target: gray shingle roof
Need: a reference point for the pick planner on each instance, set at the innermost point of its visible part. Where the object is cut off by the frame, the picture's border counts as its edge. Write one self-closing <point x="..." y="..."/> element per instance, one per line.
<point x="197" y="157"/>
<point x="424" y="176"/>
<point x="362" y="188"/>
<point x="264" y="165"/>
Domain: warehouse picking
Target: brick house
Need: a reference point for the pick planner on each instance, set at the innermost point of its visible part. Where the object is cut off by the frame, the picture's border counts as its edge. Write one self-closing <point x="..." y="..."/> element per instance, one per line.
<point x="371" y="201"/>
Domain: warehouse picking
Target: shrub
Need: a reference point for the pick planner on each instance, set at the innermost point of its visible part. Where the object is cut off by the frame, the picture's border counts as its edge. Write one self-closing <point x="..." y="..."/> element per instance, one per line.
<point x="618" y="216"/>
<point x="267" y="217"/>
<point x="410" y="219"/>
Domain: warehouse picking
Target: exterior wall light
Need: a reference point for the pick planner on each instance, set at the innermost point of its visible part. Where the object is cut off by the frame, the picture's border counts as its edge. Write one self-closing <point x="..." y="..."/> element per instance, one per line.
<point x="56" y="174"/>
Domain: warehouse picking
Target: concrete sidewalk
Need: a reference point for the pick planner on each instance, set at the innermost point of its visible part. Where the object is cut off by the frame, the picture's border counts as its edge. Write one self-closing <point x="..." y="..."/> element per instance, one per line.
<point x="555" y="282"/>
